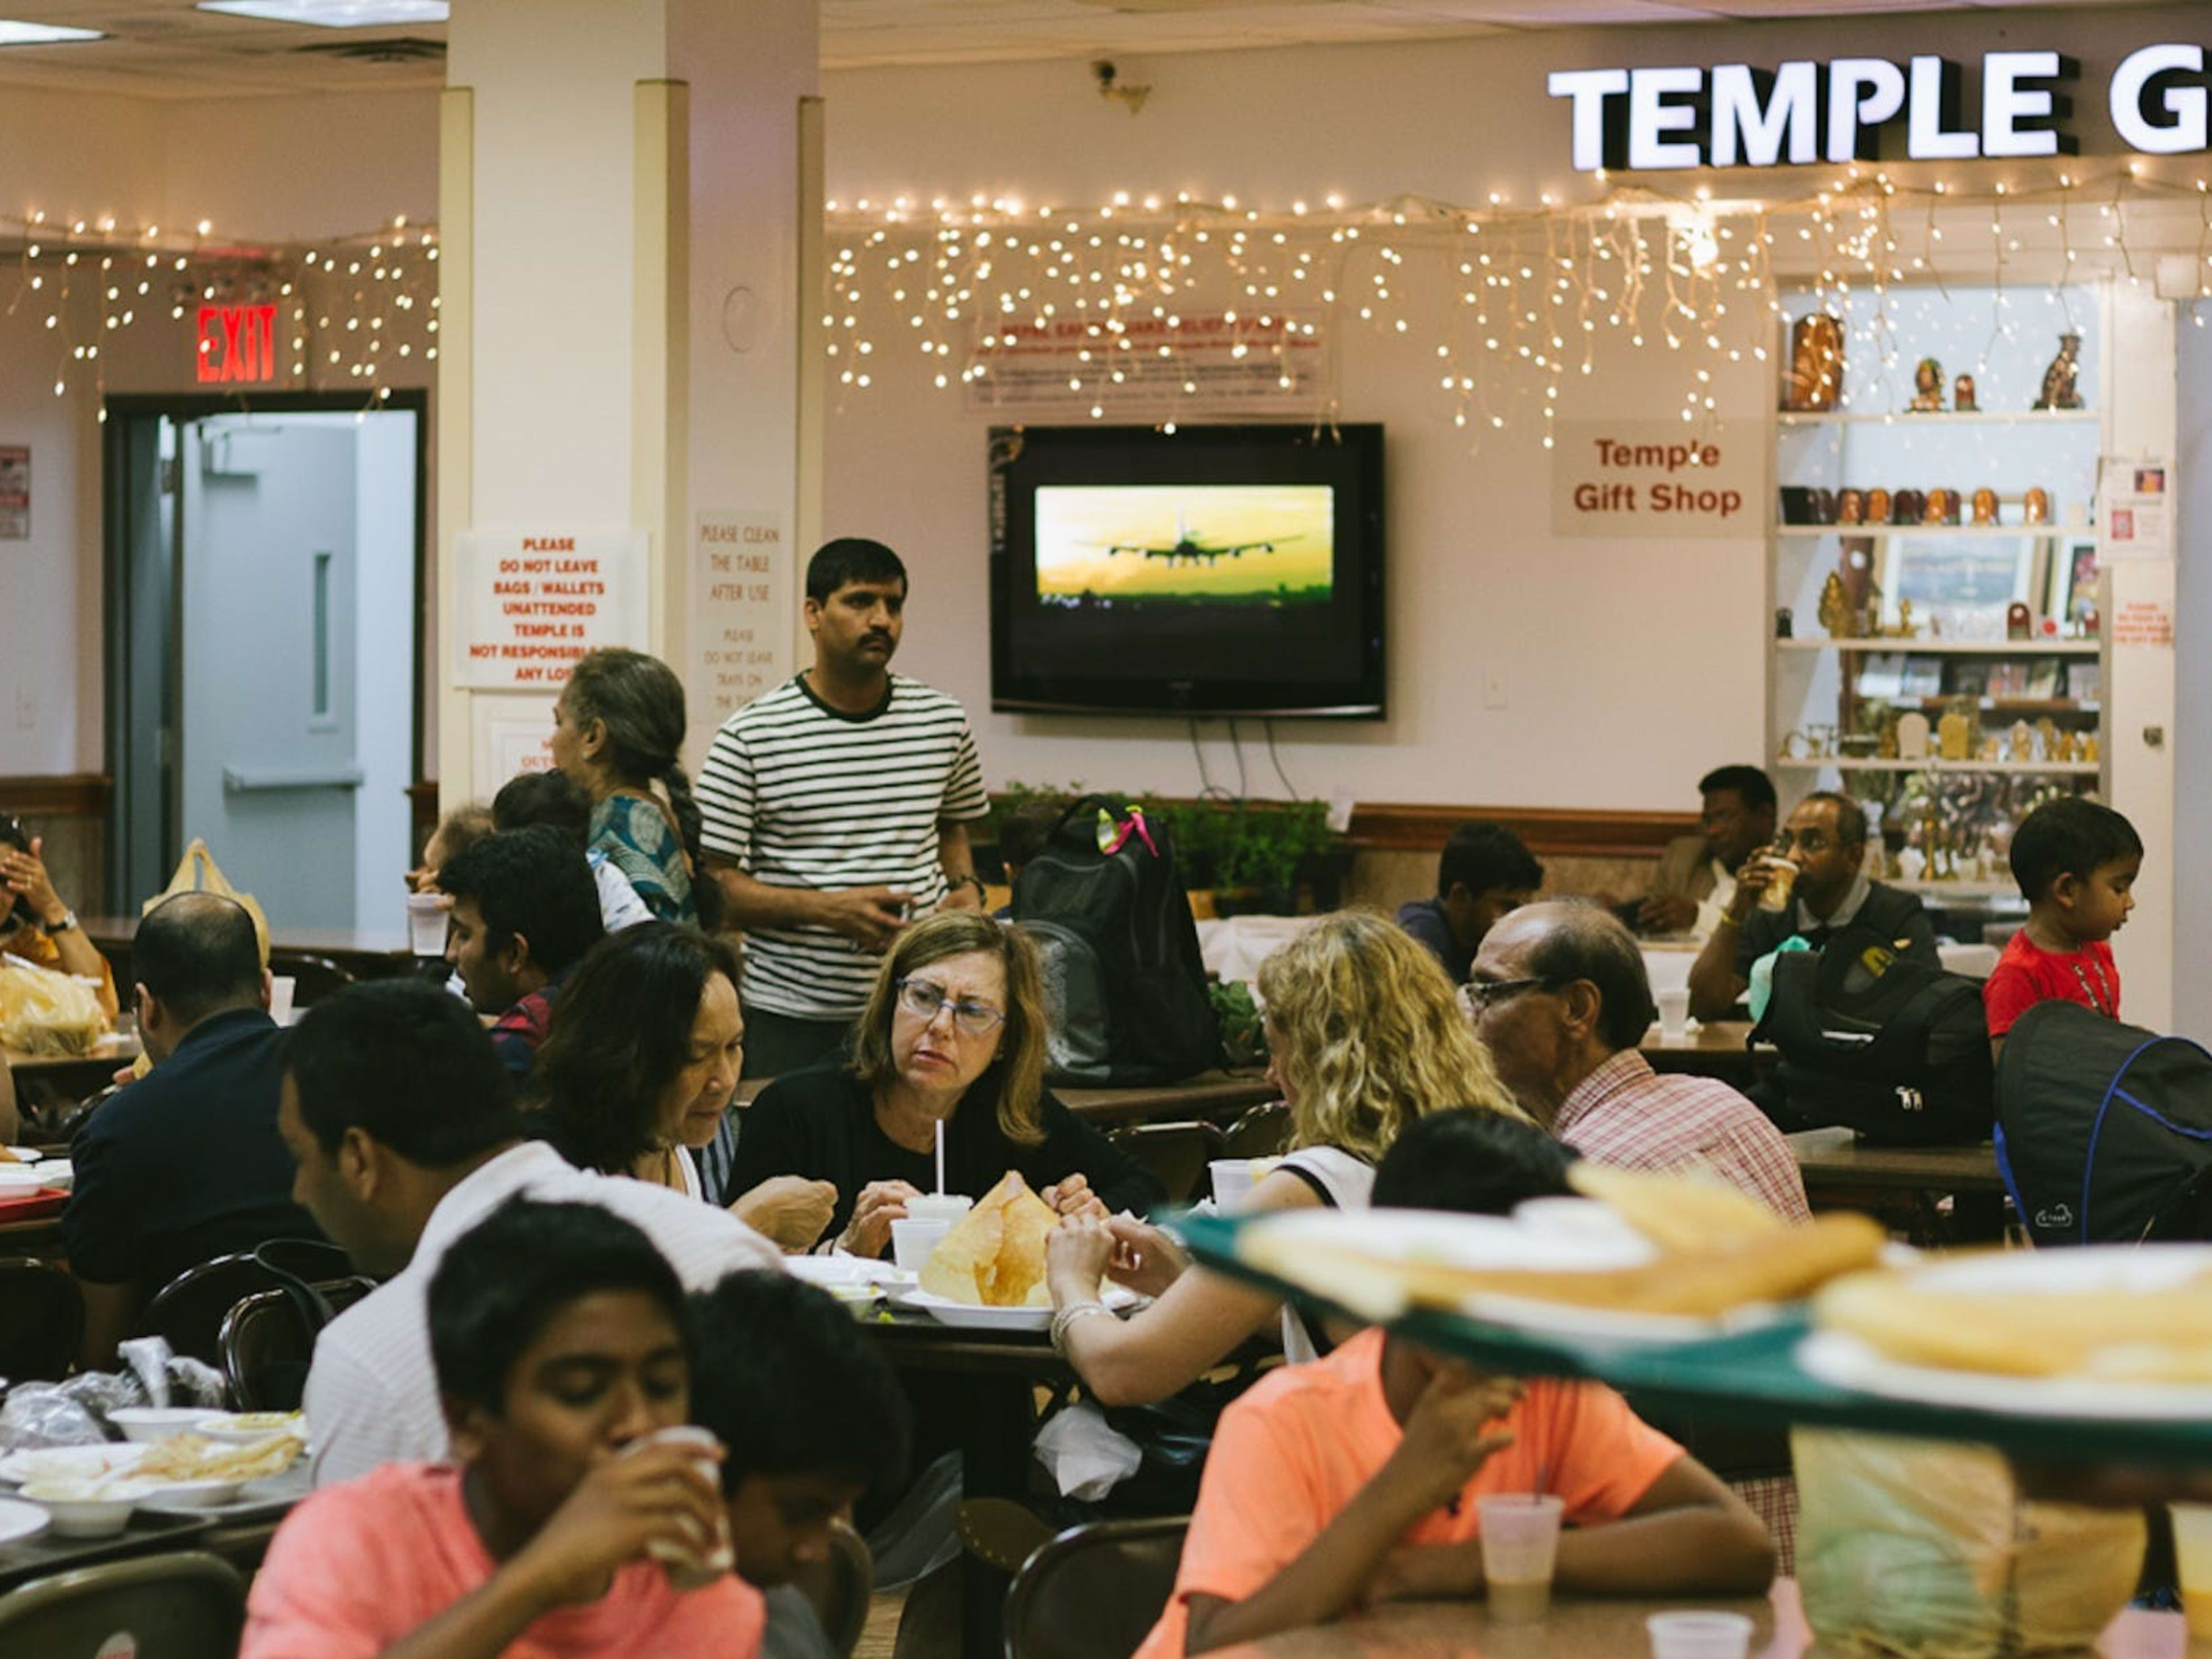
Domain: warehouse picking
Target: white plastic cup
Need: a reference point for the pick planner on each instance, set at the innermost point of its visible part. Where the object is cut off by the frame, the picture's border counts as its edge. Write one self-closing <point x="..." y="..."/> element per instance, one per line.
<point x="1232" y="1182"/>
<point x="2192" y="1557"/>
<point x="1673" y="1013"/>
<point x="1700" y="1635"/>
<point x="947" y="1208"/>
<point x="1781" y="884"/>
<point x="913" y="1237"/>
<point x="688" y="1570"/>
<point x="1520" y="1535"/>
<point x="425" y="924"/>
<point x="280" y="988"/>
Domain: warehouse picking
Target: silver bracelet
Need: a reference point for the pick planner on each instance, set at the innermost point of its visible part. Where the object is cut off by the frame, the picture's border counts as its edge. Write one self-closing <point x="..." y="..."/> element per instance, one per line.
<point x="1067" y="1316"/>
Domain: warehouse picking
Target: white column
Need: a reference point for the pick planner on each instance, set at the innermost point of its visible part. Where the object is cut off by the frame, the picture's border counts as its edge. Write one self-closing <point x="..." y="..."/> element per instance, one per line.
<point x="624" y="227"/>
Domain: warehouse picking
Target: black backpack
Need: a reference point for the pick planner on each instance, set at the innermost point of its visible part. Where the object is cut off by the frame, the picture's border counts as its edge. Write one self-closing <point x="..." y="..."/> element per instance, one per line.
<point x="1895" y="1050"/>
<point x="2104" y="1130"/>
<point x="1122" y="971"/>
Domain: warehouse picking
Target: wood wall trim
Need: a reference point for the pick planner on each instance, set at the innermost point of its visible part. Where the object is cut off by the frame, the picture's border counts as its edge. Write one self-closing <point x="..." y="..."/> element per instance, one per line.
<point x="1556" y="831"/>
<point x="81" y="795"/>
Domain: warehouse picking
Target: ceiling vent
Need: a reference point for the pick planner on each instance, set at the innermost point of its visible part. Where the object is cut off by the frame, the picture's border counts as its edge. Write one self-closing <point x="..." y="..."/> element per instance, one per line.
<point x="402" y="49"/>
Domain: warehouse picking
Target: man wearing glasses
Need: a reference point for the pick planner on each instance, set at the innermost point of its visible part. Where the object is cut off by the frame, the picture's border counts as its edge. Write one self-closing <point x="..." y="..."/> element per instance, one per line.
<point x="1825" y="838"/>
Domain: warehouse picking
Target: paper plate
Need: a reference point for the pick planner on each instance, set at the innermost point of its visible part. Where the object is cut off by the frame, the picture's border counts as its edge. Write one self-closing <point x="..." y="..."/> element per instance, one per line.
<point x="70" y="1463"/>
<point x="20" y="1521"/>
<point x="975" y="1316"/>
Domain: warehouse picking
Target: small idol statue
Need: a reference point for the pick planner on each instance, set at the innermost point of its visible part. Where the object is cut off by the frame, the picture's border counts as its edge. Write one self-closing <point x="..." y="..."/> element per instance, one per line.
<point x="2019" y="624"/>
<point x="1928" y="387"/>
<point x="2058" y="388"/>
<point x="2035" y="505"/>
<point x="1986" y="505"/>
<point x="1816" y="363"/>
<point x="1835" y="610"/>
<point x="1877" y="506"/>
<point x="1962" y="395"/>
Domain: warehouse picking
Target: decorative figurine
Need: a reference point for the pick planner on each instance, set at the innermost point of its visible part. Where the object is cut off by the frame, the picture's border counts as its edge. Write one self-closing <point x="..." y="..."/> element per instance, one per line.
<point x="1985" y="505"/>
<point x="1877" y="507"/>
<point x="2064" y="746"/>
<point x="1824" y="506"/>
<point x="2087" y="752"/>
<point x="1906" y="627"/>
<point x="1912" y="736"/>
<point x="1816" y="363"/>
<point x="1954" y="734"/>
<point x="1928" y="387"/>
<point x="1910" y="504"/>
<point x="2022" y="744"/>
<point x="1835" y="608"/>
<point x="2085" y="617"/>
<point x="2019" y="624"/>
<point x="1962" y="395"/>
<point x="1992" y="747"/>
<point x="1941" y="507"/>
<point x="2046" y="739"/>
<point x="1783" y="622"/>
<point x="2035" y="505"/>
<point x="2058" y="389"/>
<point x="1850" y="507"/>
<point x="1911" y="863"/>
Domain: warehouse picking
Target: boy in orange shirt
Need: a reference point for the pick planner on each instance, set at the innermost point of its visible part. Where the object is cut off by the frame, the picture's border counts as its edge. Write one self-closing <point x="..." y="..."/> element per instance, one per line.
<point x="1353" y="1479"/>
<point x="2076" y="864"/>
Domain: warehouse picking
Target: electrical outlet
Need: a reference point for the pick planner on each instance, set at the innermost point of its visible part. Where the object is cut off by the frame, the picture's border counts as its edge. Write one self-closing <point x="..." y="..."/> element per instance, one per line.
<point x="1493" y="688"/>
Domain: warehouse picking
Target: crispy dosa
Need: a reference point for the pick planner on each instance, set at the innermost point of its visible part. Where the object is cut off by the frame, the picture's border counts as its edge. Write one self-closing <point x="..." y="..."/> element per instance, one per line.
<point x="994" y="1255"/>
<point x="1678" y="1212"/>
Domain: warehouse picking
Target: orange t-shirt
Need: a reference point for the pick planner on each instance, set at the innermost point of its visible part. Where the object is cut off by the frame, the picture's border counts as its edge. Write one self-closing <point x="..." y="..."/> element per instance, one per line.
<point x="360" y="1564"/>
<point x="1290" y="1456"/>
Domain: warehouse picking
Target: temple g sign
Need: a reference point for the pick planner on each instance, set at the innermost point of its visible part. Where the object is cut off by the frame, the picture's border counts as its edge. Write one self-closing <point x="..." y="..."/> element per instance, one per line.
<point x="1655" y="478"/>
<point x="1804" y="113"/>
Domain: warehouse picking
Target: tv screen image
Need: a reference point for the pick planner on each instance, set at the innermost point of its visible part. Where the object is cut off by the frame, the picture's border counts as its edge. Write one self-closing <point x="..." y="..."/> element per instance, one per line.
<point x="1226" y="570"/>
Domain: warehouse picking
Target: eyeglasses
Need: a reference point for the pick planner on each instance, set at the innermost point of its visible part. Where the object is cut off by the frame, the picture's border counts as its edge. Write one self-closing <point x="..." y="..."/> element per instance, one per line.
<point x="925" y="1001"/>
<point x="1488" y="993"/>
<point x="1811" y="842"/>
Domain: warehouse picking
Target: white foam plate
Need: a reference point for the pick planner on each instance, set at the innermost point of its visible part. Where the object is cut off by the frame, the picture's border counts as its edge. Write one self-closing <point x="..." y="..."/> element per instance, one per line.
<point x="26" y="1154"/>
<point x="834" y="1272"/>
<point x="70" y="1463"/>
<point x="20" y="1521"/>
<point x="977" y="1316"/>
<point x="267" y="1496"/>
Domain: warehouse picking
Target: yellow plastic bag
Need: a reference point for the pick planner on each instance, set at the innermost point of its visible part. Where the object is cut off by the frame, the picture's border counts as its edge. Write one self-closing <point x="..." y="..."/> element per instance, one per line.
<point x="197" y="873"/>
<point x="43" y="1011"/>
<point x="1928" y="1550"/>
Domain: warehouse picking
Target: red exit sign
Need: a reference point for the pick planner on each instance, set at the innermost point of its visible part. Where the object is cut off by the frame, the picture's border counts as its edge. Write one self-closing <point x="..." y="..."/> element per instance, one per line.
<point x="237" y="343"/>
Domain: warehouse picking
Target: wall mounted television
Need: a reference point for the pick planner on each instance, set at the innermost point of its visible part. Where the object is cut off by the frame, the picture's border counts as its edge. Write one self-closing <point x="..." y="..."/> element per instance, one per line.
<point x="1207" y="570"/>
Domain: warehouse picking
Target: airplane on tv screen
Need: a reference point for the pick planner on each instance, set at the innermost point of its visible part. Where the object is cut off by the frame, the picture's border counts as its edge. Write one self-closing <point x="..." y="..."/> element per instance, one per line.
<point x="1186" y="549"/>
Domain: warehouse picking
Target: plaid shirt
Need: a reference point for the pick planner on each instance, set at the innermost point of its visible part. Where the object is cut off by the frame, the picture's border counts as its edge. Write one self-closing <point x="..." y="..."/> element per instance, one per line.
<point x="1625" y="1114"/>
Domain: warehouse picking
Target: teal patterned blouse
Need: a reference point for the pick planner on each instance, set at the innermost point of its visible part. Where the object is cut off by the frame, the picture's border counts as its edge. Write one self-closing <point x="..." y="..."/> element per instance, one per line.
<point x="638" y="839"/>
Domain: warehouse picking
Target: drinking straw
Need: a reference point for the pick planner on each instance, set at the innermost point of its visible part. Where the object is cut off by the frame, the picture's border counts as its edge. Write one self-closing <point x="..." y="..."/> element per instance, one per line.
<point x="940" y="1157"/>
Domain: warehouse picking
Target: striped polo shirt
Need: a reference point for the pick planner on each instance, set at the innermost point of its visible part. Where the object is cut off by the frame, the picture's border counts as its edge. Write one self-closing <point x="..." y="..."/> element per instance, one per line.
<point x="799" y="794"/>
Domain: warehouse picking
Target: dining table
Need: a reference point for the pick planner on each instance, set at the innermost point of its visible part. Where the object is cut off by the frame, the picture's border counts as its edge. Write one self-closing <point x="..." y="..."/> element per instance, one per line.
<point x="1717" y="1048"/>
<point x="1942" y="1193"/>
<point x="1588" y="1627"/>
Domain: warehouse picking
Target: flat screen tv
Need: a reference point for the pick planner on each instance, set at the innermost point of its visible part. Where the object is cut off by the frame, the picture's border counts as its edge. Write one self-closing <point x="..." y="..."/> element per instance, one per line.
<point x="1208" y="570"/>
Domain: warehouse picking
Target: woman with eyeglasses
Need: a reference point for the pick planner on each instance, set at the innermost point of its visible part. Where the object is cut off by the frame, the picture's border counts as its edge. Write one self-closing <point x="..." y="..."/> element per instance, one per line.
<point x="953" y="1033"/>
<point x="1366" y="1036"/>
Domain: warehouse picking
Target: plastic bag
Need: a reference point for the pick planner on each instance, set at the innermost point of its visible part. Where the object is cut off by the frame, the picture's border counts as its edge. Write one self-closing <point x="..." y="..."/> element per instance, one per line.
<point x="1086" y="1457"/>
<point x="197" y="873"/>
<point x="1928" y="1550"/>
<point x="1760" y="991"/>
<point x="41" y="1414"/>
<point x="43" y="1011"/>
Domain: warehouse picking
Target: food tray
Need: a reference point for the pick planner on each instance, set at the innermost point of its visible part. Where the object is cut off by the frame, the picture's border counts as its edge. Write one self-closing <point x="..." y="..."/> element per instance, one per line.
<point x="38" y="1206"/>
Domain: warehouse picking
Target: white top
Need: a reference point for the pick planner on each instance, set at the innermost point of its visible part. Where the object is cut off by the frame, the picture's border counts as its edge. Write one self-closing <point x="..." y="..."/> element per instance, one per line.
<point x="1715" y="903"/>
<point x="371" y="1394"/>
<point x="800" y="795"/>
<point x="1350" y="1183"/>
<point x="619" y="905"/>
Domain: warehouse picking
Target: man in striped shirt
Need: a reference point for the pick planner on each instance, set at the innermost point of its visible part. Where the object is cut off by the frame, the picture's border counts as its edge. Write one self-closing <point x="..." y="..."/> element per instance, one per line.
<point x="836" y="809"/>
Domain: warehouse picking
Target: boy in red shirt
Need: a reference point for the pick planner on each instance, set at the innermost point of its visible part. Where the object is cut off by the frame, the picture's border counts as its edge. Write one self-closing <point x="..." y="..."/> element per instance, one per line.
<point x="2076" y="864"/>
<point x="1353" y="1479"/>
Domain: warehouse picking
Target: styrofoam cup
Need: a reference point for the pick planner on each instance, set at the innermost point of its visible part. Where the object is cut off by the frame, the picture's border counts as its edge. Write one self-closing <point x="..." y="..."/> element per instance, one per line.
<point x="947" y="1208"/>
<point x="1700" y="1635"/>
<point x="1674" y="1013"/>
<point x="425" y="924"/>
<point x="913" y="1237"/>
<point x="280" y="988"/>
<point x="1232" y="1182"/>
<point x="1520" y="1534"/>
<point x="691" y="1570"/>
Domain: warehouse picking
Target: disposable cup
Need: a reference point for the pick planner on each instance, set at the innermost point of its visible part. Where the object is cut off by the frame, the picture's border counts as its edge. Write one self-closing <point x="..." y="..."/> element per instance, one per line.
<point x="280" y="988"/>
<point x="1674" y="1013"/>
<point x="425" y="924"/>
<point x="1232" y="1182"/>
<point x="691" y="1570"/>
<point x="1520" y="1537"/>
<point x="913" y="1237"/>
<point x="1781" y="882"/>
<point x="947" y="1208"/>
<point x="1699" y="1635"/>
<point x="2192" y="1555"/>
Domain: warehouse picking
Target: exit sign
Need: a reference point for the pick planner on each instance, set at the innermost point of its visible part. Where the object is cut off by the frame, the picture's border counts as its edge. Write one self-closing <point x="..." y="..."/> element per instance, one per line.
<point x="236" y="342"/>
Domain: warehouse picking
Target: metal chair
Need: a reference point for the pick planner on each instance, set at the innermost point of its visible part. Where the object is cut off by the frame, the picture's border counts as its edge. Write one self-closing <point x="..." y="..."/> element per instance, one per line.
<point x="1260" y="1132"/>
<point x="189" y="1310"/>
<point x="313" y="977"/>
<point x="838" y="1590"/>
<point x="183" y="1606"/>
<point x="266" y="1345"/>
<point x="1177" y="1152"/>
<point x="42" y="1320"/>
<point x="1094" y="1591"/>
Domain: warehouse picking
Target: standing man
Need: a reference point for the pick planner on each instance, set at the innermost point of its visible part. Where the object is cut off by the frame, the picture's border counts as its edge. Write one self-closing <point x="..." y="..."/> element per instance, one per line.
<point x="836" y="809"/>
<point x="1696" y="878"/>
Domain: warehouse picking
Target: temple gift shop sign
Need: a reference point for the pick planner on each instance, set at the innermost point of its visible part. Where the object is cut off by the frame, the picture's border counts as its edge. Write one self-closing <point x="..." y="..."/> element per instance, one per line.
<point x="531" y="602"/>
<point x="740" y="609"/>
<point x="1655" y="478"/>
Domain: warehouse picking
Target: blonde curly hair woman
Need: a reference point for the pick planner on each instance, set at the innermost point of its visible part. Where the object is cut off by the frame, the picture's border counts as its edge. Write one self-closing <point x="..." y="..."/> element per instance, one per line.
<point x="1367" y="1035"/>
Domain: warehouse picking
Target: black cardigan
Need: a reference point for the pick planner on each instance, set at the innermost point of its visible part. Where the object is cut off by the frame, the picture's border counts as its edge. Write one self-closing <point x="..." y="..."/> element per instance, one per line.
<point x="821" y="1123"/>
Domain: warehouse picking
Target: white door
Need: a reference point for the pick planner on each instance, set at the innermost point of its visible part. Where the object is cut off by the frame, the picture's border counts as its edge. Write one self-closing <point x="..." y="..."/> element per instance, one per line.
<point x="270" y="767"/>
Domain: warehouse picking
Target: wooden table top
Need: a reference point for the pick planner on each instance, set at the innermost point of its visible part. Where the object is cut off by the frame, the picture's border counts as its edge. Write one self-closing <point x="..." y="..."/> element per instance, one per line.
<point x="1581" y="1628"/>
<point x="1837" y="1157"/>
<point x="116" y="1049"/>
<point x="1218" y="1095"/>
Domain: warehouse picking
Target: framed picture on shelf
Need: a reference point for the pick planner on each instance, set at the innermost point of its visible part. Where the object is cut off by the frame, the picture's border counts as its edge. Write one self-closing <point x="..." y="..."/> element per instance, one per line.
<point x="1948" y="575"/>
<point x="1922" y="677"/>
<point x="2073" y="579"/>
<point x="2042" y="676"/>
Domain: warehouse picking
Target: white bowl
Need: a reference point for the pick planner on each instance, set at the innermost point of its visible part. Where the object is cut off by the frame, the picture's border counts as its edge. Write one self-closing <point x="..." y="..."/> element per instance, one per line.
<point x="156" y="1422"/>
<point x="194" y="1494"/>
<point x="243" y="1428"/>
<point x="84" y="1509"/>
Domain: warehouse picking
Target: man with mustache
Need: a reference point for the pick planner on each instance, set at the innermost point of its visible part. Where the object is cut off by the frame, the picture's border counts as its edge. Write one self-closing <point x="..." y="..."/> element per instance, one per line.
<point x="836" y="809"/>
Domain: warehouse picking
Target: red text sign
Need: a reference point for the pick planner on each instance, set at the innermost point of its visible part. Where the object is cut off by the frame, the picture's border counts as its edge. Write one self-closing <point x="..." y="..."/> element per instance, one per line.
<point x="237" y="343"/>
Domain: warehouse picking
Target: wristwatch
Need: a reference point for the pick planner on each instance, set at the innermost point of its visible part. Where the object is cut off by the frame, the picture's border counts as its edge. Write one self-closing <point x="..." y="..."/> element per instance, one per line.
<point x="971" y="879"/>
<point x="67" y="922"/>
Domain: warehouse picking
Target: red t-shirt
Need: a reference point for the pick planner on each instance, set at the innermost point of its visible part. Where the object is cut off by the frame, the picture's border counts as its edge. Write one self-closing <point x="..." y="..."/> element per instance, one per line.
<point x="361" y="1564"/>
<point x="2026" y="974"/>
<point x="1294" y="1450"/>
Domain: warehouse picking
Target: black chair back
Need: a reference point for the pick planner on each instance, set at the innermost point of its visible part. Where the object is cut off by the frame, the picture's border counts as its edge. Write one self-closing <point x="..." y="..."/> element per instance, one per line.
<point x="1260" y="1132"/>
<point x="189" y="1310"/>
<point x="267" y="1342"/>
<point x="42" y="1320"/>
<point x="312" y="977"/>
<point x="183" y="1606"/>
<point x="1177" y="1152"/>
<point x="1094" y="1591"/>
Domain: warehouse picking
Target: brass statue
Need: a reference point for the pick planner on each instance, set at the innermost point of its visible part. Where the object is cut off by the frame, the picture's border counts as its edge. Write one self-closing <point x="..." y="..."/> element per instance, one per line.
<point x="2058" y="387"/>
<point x="1816" y="363"/>
<point x="1928" y="387"/>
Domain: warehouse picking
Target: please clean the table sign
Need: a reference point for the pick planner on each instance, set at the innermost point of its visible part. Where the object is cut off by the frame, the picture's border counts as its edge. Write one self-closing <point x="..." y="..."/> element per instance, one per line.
<point x="1655" y="478"/>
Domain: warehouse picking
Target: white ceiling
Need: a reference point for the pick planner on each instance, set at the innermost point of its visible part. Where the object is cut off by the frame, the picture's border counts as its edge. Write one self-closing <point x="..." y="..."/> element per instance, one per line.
<point x="167" y="49"/>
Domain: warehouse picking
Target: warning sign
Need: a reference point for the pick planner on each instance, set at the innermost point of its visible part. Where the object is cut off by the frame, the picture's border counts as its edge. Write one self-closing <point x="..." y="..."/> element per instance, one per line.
<point x="531" y="602"/>
<point x="2144" y="621"/>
